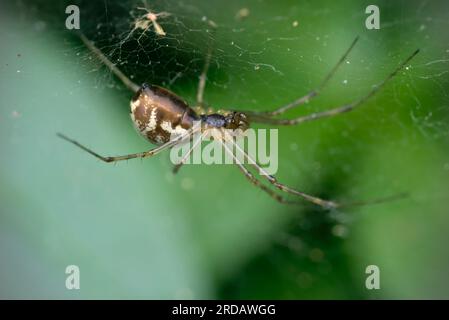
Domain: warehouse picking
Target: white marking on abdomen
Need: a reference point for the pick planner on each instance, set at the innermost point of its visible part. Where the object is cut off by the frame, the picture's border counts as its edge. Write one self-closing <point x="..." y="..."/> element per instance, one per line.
<point x="134" y="104"/>
<point x="178" y="130"/>
<point x="153" y="121"/>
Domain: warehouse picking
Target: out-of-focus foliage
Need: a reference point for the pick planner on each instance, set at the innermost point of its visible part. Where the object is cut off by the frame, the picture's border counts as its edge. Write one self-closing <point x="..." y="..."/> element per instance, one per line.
<point x="137" y="231"/>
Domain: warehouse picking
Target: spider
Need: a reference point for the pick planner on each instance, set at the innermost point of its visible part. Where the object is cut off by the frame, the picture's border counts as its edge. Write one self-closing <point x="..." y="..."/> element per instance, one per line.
<point x="158" y="112"/>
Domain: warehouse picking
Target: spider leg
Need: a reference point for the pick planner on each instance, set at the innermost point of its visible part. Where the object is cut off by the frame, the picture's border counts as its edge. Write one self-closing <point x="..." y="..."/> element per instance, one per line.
<point x="144" y="154"/>
<point x="254" y="180"/>
<point x="315" y="200"/>
<point x="334" y="111"/>
<point x="311" y="94"/>
<point x="390" y="198"/>
<point x="324" y="203"/>
<point x="114" y="69"/>
<point x="178" y="166"/>
<point x="202" y="80"/>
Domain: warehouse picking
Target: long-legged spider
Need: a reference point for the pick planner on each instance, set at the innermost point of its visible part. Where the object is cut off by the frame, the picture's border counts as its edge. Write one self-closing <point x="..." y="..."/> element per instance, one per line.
<point x="158" y="112"/>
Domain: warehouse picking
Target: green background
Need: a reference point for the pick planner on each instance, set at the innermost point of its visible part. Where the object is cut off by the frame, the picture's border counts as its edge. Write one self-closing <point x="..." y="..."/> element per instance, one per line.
<point x="137" y="231"/>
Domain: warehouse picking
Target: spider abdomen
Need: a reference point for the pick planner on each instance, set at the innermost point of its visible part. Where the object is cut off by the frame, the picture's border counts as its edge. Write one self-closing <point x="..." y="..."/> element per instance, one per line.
<point x="157" y="113"/>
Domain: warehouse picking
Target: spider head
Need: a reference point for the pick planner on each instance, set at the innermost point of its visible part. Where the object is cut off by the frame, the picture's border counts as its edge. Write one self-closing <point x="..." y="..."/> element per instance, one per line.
<point x="236" y="120"/>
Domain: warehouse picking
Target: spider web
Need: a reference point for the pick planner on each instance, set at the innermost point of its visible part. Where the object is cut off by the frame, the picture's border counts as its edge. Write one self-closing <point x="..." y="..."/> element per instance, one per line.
<point x="176" y="59"/>
<point x="265" y="54"/>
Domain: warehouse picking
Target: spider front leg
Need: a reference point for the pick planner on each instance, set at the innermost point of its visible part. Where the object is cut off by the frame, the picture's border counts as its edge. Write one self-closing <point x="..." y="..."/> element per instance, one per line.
<point x="271" y="179"/>
<point x="327" y="204"/>
<point x="334" y="111"/>
<point x="300" y="101"/>
<point x="254" y="180"/>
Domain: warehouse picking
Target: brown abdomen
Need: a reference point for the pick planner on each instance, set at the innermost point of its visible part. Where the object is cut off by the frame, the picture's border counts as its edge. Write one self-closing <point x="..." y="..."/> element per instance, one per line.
<point x="158" y="113"/>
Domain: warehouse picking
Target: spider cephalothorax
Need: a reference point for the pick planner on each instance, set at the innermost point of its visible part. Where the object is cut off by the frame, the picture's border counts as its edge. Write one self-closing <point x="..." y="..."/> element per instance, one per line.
<point x="233" y="121"/>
